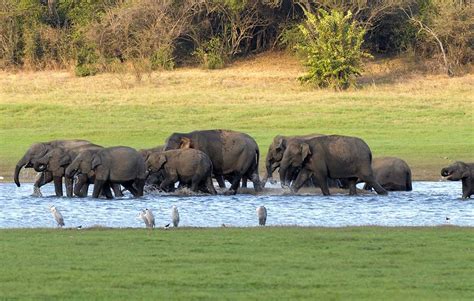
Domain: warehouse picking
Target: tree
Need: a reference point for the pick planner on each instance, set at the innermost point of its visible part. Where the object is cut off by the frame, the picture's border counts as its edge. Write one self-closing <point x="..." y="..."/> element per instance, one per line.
<point x="332" y="45"/>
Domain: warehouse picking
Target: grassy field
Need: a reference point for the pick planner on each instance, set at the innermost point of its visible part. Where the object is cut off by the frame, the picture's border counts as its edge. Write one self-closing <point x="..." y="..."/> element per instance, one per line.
<point x="234" y="263"/>
<point x="427" y="120"/>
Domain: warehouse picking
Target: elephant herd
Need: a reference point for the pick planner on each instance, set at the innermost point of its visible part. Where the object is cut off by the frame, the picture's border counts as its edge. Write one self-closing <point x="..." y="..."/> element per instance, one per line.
<point x="193" y="159"/>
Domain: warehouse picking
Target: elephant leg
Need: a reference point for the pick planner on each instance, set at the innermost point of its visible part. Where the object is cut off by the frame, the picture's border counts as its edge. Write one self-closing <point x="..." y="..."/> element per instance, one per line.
<point x="69" y="186"/>
<point x="139" y="185"/>
<point x="210" y="186"/>
<point x="106" y="191"/>
<point x="58" y="185"/>
<point x="367" y="187"/>
<point x="370" y="180"/>
<point x="323" y="183"/>
<point x="244" y="182"/>
<point x="117" y="191"/>
<point x="220" y="180"/>
<point x="352" y="186"/>
<point x="257" y="184"/>
<point x="98" y="184"/>
<point x="466" y="188"/>
<point x="300" y="180"/>
<point x="235" y="183"/>
<point x="129" y="186"/>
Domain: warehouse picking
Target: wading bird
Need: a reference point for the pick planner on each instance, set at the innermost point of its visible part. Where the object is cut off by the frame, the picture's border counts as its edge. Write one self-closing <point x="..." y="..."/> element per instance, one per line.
<point x="262" y="215"/>
<point x="150" y="218"/>
<point x="57" y="216"/>
<point x="142" y="215"/>
<point x="175" y="216"/>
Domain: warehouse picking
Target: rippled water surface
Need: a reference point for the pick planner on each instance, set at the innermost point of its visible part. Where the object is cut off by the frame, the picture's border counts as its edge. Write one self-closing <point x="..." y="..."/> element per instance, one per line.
<point x="429" y="204"/>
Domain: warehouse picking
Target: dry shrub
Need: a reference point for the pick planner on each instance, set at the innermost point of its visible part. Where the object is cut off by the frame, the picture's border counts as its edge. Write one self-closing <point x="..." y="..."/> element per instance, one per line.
<point x="136" y="30"/>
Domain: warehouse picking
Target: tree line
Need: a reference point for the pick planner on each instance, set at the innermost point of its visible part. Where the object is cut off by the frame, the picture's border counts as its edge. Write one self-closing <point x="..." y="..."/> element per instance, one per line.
<point x="105" y="35"/>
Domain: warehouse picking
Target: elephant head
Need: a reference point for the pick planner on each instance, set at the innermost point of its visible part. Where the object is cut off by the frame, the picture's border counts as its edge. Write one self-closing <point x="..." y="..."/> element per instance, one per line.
<point x="155" y="162"/>
<point x="55" y="161"/>
<point x="35" y="152"/>
<point x="81" y="164"/>
<point x="456" y="171"/>
<point x="295" y="155"/>
<point x="274" y="156"/>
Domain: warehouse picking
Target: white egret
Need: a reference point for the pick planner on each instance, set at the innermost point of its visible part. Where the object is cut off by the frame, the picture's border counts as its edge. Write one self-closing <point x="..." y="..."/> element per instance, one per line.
<point x="57" y="216"/>
<point x="262" y="215"/>
<point x="150" y="218"/>
<point x="142" y="215"/>
<point x="175" y="216"/>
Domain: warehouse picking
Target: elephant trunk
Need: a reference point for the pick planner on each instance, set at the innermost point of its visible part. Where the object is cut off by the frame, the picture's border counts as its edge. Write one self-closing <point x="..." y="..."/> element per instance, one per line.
<point x="70" y="171"/>
<point x="445" y="172"/>
<point x="23" y="161"/>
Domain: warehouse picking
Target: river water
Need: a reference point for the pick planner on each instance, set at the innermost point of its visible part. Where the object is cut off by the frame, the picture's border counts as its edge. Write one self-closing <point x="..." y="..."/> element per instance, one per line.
<point x="429" y="204"/>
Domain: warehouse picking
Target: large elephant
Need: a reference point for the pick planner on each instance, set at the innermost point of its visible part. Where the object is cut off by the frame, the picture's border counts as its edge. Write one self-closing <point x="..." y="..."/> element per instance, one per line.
<point x="190" y="167"/>
<point x="113" y="165"/>
<point x="275" y="154"/>
<point x="393" y="174"/>
<point x="145" y="152"/>
<point x="334" y="156"/>
<point x="37" y="151"/>
<point x="464" y="172"/>
<point x="233" y="154"/>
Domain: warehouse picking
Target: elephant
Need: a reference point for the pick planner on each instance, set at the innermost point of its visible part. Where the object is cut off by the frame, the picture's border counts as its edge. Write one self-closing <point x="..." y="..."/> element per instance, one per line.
<point x="188" y="166"/>
<point x="275" y="154"/>
<point x="145" y="152"/>
<point x="37" y="151"/>
<point x="464" y="172"/>
<point x="113" y="165"/>
<point x="57" y="160"/>
<point x="333" y="156"/>
<point x="154" y="179"/>
<point x="393" y="174"/>
<point x="233" y="154"/>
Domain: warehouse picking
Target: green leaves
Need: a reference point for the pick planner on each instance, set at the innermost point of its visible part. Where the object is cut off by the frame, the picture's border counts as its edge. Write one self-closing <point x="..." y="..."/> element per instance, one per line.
<point x="332" y="46"/>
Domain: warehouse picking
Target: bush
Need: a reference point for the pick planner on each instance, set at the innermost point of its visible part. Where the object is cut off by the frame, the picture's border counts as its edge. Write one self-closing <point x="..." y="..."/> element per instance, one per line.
<point x="332" y="44"/>
<point x="212" y="54"/>
<point x="162" y="59"/>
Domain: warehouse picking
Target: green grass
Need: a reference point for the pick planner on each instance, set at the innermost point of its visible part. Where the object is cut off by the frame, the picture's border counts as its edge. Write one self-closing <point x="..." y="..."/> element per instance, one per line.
<point x="426" y="120"/>
<point x="234" y="263"/>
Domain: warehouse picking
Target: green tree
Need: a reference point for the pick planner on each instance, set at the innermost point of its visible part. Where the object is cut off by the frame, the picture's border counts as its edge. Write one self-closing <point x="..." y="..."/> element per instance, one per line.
<point x="332" y="48"/>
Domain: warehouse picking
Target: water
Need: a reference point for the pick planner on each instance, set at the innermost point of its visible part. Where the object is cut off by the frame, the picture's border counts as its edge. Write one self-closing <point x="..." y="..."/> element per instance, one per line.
<point x="427" y="205"/>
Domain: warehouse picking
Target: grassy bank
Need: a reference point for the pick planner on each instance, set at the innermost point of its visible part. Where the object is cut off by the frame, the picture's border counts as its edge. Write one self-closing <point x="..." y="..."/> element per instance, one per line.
<point x="427" y="120"/>
<point x="232" y="263"/>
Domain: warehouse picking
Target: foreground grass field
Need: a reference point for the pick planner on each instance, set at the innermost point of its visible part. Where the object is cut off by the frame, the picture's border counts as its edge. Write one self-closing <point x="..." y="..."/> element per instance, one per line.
<point x="234" y="263"/>
<point x="427" y="120"/>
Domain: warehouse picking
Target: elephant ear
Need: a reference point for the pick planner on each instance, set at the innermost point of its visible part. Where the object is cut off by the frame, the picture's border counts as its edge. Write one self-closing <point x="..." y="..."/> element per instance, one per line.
<point x="65" y="160"/>
<point x="185" y="143"/>
<point x="305" y="151"/>
<point x="281" y="143"/>
<point x="96" y="161"/>
<point x="161" y="161"/>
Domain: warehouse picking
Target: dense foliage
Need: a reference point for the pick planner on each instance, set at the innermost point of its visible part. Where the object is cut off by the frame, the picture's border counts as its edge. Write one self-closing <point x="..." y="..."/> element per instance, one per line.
<point x="159" y="34"/>
<point x="332" y="45"/>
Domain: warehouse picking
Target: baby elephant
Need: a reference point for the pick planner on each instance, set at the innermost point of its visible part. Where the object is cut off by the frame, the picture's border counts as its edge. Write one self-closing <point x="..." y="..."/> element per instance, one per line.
<point x="461" y="171"/>
<point x="188" y="166"/>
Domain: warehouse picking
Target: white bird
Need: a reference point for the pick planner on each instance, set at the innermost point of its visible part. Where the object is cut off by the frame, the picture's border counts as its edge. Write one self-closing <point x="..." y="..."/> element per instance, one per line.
<point x="175" y="216"/>
<point x="262" y="215"/>
<point x="150" y="217"/>
<point x="142" y="215"/>
<point x="57" y="216"/>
